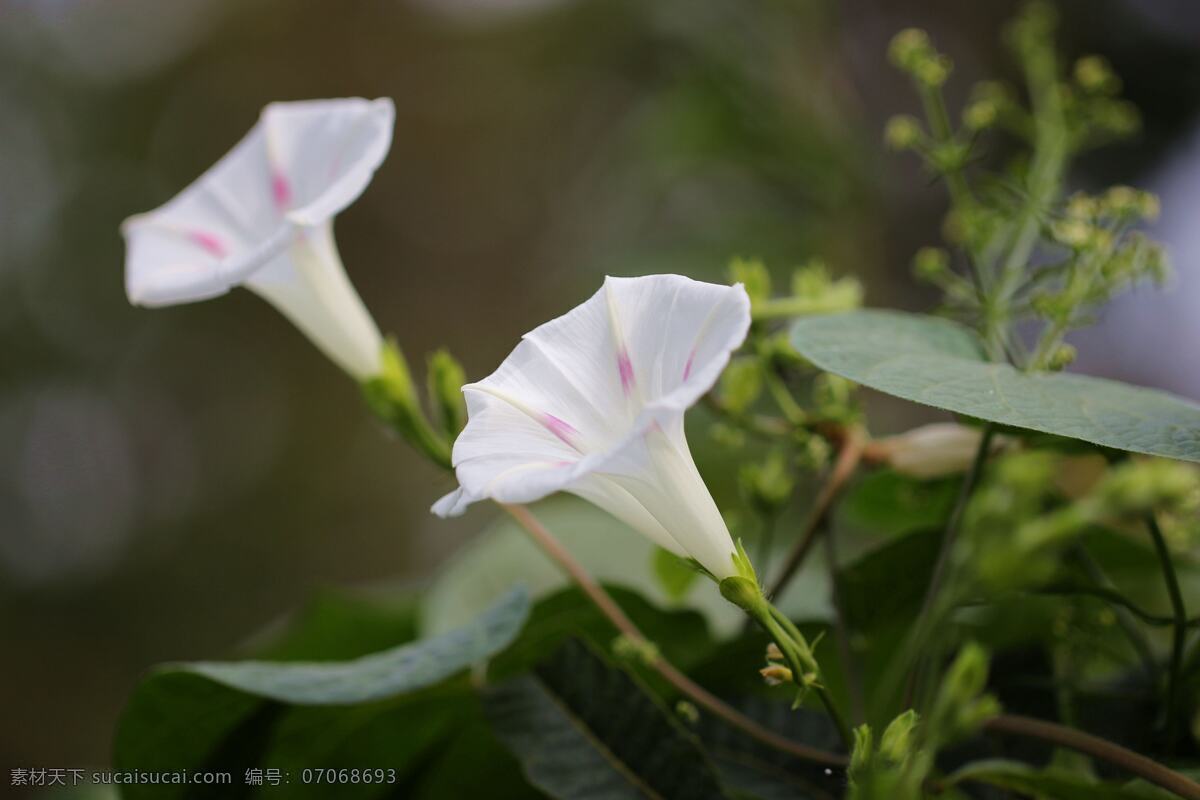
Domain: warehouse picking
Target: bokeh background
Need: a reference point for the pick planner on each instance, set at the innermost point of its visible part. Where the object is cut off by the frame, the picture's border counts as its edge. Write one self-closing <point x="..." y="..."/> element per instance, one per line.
<point x="173" y="480"/>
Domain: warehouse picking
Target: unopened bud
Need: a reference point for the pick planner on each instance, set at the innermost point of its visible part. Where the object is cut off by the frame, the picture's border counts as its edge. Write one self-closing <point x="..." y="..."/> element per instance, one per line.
<point x="774" y="653"/>
<point x="933" y="451"/>
<point x="635" y="651"/>
<point x="897" y="741"/>
<point x="1061" y="358"/>
<point x="1074" y="233"/>
<point x="931" y="263"/>
<point x="446" y="379"/>
<point x="908" y="47"/>
<point x="1093" y="74"/>
<point x="754" y="277"/>
<point x="980" y="115"/>
<point x="902" y="132"/>
<point x="687" y="712"/>
<point x="776" y="674"/>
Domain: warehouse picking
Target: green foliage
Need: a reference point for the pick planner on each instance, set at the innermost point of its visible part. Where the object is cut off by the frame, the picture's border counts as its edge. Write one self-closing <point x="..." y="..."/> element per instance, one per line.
<point x="583" y="729"/>
<point x="935" y="362"/>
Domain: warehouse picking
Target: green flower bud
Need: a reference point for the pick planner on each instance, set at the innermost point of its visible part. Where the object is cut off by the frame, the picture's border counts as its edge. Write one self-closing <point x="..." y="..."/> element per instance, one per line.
<point x="1073" y="233"/>
<point x="1082" y="207"/>
<point x="902" y="132"/>
<point x="980" y="115"/>
<point x="898" y="739"/>
<point x="687" y="712"/>
<point x="931" y="264"/>
<point x="741" y="383"/>
<point x="446" y="379"/>
<point x="635" y="651"/>
<point x="1061" y="358"/>
<point x="745" y="594"/>
<point x="1093" y="74"/>
<point x="933" y="71"/>
<point x="768" y="485"/>
<point x="863" y="752"/>
<point x="754" y="276"/>
<point x="1119" y="118"/>
<point x="949" y="156"/>
<point x="1148" y="206"/>
<point x="1138" y="487"/>
<point x="909" y="47"/>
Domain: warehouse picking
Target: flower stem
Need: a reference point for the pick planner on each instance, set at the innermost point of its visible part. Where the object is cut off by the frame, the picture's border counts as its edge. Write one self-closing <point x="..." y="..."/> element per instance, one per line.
<point x="849" y="455"/>
<point x="686" y="686"/>
<point x="1016" y="725"/>
<point x="942" y="565"/>
<point x="1179" y="613"/>
<point x="1098" y="748"/>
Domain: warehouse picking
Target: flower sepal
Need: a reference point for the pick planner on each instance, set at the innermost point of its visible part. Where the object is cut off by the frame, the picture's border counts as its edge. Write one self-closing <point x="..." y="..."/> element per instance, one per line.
<point x="393" y="397"/>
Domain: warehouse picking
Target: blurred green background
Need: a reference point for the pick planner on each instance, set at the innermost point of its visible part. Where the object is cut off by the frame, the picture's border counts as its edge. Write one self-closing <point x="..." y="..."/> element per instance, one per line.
<point x="173" y="480"/>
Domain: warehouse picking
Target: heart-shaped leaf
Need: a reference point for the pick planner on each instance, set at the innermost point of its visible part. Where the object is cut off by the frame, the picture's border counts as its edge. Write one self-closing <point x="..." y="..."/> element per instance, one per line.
<point x="942" y="364"/>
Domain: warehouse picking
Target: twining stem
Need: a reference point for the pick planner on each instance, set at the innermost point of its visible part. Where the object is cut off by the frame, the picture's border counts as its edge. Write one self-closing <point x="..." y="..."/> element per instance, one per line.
<point x="1005" y="723"/>
<point x="925" y="618"/>
<point x="849" y="455"/>
<point x="1174" y="673"/>
<point x="701" y="696"/>
<point x="1096" y="747"/>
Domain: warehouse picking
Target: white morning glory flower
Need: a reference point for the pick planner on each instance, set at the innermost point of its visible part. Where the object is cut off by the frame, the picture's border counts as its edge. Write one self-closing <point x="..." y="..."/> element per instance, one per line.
<point x="592" y="403"/>
<point x="262" y="217"/>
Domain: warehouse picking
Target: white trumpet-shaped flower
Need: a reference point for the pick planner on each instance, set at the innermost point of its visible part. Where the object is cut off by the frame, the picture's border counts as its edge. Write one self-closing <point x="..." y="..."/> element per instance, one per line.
<point x="592" y="403"/>
<point x="262" y="217"/>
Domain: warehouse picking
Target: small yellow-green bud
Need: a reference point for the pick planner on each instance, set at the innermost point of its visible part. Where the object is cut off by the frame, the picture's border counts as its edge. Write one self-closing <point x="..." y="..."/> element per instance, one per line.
<point x="1061" y="358"/>
<point x="1148" y="206"/>
<point x="933" y="71"/>
<point x="1074" y="233"/>
<point x="774" y="653"/>
<point x="741" y="383"/>
<point x="931" y="263"/>
<point x="902" y="132"/>
<point x="908" y="47"/>
<point x="1093" y="74"/>
<point x="753" y="275"/>
<point x="768" y="485"/>
<point x="635" y="651"/>
<point x="1082" y="206"/>
<point x="980" y="115"/>
<point x="1118" y="117"/>
<point x="687" y="712"/>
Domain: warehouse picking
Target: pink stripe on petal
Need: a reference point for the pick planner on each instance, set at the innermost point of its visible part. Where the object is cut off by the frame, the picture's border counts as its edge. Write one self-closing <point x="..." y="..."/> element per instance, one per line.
<point x="687" y="368"/>
<point x="563" y="430"/>
<point x="281" y="190"/>
<point x="210" y="242"/>
<point x="625" y="369"/>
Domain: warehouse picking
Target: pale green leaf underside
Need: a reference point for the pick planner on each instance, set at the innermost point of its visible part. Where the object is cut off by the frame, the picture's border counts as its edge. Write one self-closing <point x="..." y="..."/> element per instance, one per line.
<point x="941" y="364"/>
<point x="380" y="675"/>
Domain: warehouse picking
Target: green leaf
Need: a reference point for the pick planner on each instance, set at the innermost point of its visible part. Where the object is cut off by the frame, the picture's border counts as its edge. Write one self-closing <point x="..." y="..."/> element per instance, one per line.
<point x="1057" y="783"/>
<point x="764" y="772"/>
<point x="680" y="635"/>
<point x="889" y="503"/>
<point x="583" y="729"/>
<point x="189" y="717"/>
<point x="675" y="575"/>
<point x="941" y="364"/>
<point x="406" y="668"/>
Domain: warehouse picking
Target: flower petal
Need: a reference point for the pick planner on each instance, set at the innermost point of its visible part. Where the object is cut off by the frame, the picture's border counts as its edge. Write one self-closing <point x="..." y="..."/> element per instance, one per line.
<point x="325" y="152"/>
<point x="300" y="165"/>
<point x="592" y="403"/>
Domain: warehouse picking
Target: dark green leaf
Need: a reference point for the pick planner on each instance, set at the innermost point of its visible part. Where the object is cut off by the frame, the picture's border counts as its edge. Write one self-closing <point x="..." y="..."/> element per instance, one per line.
<point x="940" y="363"/>
<point x="182" y="719"/>
<point x="583" y="729"/>
<point x="406" y="668"/>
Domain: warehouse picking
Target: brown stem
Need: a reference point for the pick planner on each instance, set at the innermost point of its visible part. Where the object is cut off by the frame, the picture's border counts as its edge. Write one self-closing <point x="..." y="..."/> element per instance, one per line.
<point x="848" y="457"/>
<point x="673" y="676"/>
<point x="1005" y="723"/>
<point x="1097" y="748"/>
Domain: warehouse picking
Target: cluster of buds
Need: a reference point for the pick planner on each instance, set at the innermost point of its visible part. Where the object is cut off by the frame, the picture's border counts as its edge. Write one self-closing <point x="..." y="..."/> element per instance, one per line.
<point x="912" y="51"/>
<point x="814" y="290"/>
